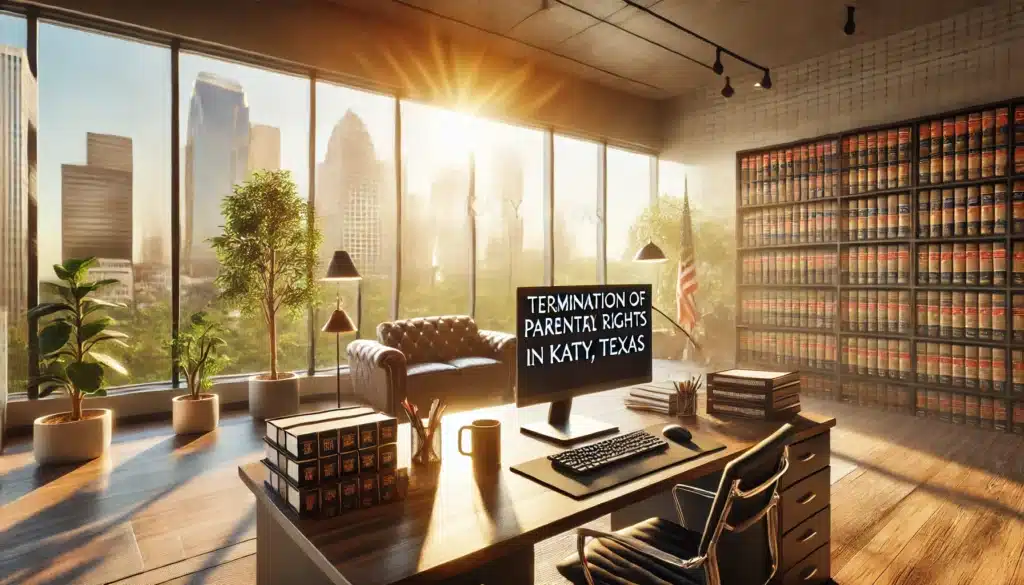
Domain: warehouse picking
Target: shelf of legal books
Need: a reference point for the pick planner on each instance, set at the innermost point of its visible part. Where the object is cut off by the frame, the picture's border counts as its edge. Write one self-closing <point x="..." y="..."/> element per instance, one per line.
<point x="875" y="264"/>
<point x="965" y="147"/>
<point x="963" y="212"/>
<point x="1017" y="265"/>
<point x="811" y="351"/>
<point x="875" y="311"/>
<point x="819" y="385"/>
<point x="884" y="217"/>
<point x="877" y="160"/>
<point x="812" y="266"/>
<point x="967" y="264"/>
<point x="803" y="223"/>
<point x="975" y="368"/>
<point x="873" y="357"/>
<point x="789" y="309"/>
<point x="970" y="316"/>
<point x="802" y="172"/>
<point x="885" y="395"/>
<point x="961" y="408"/>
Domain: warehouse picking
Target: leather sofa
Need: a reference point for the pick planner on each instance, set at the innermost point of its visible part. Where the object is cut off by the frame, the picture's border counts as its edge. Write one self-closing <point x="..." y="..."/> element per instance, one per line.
<point x="434" y="357"/>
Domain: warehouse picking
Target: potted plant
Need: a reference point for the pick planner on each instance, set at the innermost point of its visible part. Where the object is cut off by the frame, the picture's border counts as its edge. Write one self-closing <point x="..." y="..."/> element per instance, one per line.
<point x="199" y="355"/>
<point x="74" y="329"/>
<point x="268" y="254"/>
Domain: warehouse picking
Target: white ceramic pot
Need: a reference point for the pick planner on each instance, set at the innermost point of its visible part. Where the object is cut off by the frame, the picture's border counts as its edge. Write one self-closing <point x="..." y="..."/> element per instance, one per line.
<point x="190" y="417"/>
<point x="273" y="398"/>
<point x="72" y="442"/>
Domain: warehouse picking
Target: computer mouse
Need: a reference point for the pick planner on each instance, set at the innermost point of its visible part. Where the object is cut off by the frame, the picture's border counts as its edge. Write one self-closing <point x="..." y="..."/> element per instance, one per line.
<point x="677" y="434"/>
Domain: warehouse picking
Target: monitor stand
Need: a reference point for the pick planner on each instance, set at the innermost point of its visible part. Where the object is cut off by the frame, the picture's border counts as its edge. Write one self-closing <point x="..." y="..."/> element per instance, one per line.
<point x="563" y="429"/>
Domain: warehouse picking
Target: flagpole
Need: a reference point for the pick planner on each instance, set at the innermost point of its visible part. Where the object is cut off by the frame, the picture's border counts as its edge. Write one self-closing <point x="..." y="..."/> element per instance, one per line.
<point x="677" y="326"/>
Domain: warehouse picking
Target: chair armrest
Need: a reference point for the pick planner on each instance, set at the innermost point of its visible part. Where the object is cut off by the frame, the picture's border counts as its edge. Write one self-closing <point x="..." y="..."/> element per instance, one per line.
<point x="637" y="546"/>
<point x="501" y="345"/>
<point x="378" y="374"/>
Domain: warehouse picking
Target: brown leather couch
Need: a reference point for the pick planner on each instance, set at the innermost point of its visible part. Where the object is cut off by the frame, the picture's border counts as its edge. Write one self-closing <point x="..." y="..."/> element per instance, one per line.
<point x="434" y="357"/>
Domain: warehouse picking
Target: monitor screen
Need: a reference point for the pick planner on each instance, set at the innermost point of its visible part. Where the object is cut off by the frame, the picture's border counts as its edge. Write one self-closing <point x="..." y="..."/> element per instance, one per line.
<point x="574" y="340"/>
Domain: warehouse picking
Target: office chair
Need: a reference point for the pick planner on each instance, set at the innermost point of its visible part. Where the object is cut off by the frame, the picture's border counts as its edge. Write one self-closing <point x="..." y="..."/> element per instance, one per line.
<point x="658" y="551"/>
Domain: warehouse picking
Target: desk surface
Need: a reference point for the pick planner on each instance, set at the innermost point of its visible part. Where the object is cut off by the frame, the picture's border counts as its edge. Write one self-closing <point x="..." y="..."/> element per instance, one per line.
<point x="452" y="521"/>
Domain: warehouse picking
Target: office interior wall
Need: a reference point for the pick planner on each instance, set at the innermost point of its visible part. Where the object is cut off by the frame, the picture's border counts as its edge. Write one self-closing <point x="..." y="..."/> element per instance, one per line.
<point x="975" y="57"/>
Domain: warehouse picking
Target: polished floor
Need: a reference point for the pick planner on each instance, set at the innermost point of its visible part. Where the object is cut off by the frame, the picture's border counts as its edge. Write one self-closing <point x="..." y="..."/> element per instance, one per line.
<point x="914" y="501"/>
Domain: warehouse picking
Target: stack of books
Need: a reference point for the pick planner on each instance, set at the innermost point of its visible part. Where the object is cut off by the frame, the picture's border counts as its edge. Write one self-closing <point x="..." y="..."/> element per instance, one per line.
<point x="325" y="463"/>
<point x="661" y="398"/>
<point x="754" y="394"/>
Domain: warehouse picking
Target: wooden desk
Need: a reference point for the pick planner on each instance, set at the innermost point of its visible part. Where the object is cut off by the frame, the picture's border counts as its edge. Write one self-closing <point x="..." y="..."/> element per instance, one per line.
<point x="456" y="526"/>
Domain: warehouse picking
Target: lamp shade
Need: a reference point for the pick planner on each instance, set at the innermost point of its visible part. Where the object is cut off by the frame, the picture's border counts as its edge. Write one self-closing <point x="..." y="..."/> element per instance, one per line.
<point x="649" y="253"/>
<point x="338" y="323"/>
<point x="342" y="267"/>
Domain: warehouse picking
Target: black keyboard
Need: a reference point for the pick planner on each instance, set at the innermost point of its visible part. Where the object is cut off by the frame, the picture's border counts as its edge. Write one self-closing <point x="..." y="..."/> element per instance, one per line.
<point x="603" y="454"/>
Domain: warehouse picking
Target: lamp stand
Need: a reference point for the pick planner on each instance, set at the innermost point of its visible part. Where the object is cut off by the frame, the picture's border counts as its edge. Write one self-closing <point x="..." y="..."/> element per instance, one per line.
<point x="337" y="346"/>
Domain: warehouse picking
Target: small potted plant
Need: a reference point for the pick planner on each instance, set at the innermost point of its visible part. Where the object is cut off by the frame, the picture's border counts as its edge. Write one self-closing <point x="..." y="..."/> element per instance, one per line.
<point x="268" y="253"/>
<point x="199" y="351"/>
<point x="74" y="329"/>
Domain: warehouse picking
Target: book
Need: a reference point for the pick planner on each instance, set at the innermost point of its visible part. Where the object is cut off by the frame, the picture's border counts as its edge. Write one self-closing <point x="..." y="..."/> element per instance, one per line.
<point x="747" y="411"/>
<point x="739" y="378"/>
<point x="336" y="497"/>
<point x="276" y="427"/>
<point x="335" y="436"/>
<point x="772" y="401"/>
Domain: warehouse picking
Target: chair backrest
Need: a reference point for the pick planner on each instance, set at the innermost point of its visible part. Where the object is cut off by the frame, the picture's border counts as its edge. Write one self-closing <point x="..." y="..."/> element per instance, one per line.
<point x="432" y="339"/>
<point x="758" y="472"/>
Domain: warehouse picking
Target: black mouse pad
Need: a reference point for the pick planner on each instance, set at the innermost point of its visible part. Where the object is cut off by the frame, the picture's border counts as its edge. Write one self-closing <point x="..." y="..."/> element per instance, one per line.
<point x="581" y="486"/>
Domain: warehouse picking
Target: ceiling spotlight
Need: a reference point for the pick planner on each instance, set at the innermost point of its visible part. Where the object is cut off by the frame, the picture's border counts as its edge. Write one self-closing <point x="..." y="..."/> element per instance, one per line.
<point x="718" y="68"/>
<point x="727" y="91"/>
<point x="766" y="81"/>
<point x="850" y="26"/>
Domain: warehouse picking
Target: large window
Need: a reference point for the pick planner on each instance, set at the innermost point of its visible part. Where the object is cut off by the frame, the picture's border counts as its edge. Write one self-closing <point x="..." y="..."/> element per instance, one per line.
<point x="356" y="203"/>
<point x="18" y="115"/>
<point x="577" y="226"/>
<point x="437" y="158"/>
<point x="629" y="199"/>
<point x="104" y="180"/>
<point x="509" y="219"/>
<point x="236" y="119"/>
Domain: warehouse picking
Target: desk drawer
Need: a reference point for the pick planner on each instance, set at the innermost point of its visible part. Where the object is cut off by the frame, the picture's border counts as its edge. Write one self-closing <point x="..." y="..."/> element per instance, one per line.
<point x="803" y="499"/>
<point x="814" y="570"/>
<point x="805" y="458"/>
<point x="806" y="537"/>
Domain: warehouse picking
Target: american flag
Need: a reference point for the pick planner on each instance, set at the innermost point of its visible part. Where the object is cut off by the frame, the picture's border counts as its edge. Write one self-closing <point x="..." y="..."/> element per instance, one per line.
<point x="686" y="283"/>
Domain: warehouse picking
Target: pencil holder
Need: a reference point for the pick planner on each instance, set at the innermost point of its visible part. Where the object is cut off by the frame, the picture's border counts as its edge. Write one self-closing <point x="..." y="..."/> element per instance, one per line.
<point x="687" y="397"/>
<point x="425" y="450"/>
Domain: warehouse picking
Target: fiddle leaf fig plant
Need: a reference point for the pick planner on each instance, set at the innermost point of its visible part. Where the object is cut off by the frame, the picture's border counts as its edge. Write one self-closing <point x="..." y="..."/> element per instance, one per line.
<point x="73" y="331"/>
<point x="268" y="251"/>
<point x="200" y="353"/>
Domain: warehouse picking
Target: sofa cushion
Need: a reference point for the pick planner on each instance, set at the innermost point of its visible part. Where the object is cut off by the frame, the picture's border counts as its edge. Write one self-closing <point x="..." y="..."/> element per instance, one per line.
<point x="433" y="339"/>
<point x="428" y="368"/>
<point x="469" y="362"/>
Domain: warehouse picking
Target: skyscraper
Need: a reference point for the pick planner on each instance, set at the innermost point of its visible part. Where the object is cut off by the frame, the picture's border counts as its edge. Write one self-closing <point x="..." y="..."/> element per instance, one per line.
<point x="449" y="221"/>
<point x="18" y="124"/>
<point x="264" y="148"/>
<point x="349" y="196"/>
<point x="216" y="158"/>
<point x="96" y="201"/>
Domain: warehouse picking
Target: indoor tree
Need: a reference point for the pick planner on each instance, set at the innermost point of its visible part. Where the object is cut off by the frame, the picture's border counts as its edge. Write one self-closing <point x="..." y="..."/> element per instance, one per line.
<point x="268" y="251"/>
<point x="76" y="327"/>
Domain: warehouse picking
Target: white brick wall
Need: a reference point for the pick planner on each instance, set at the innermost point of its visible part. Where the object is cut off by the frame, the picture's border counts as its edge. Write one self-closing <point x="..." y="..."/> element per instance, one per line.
<point x="972" y="58"/>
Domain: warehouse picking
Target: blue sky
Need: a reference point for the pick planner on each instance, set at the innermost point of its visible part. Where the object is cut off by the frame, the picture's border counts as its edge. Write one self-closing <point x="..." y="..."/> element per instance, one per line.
<point x="97" y="83"/>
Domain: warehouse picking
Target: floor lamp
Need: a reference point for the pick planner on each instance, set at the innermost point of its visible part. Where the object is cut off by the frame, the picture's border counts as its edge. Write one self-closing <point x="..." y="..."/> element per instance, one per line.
<point x="652" y="254"/>
<point x="341" y="269"/>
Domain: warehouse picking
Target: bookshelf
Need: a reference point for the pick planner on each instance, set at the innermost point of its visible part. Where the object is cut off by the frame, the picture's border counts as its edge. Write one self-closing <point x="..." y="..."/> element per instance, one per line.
<point x="916" y="224"/>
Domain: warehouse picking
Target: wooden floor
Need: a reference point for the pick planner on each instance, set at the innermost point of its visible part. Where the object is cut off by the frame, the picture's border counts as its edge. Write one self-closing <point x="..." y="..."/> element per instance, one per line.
<point x="914" y="501"/>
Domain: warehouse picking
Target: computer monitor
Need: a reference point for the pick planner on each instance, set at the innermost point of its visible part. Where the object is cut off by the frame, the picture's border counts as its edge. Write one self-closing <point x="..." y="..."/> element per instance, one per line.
<point x="575" y="340"/>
